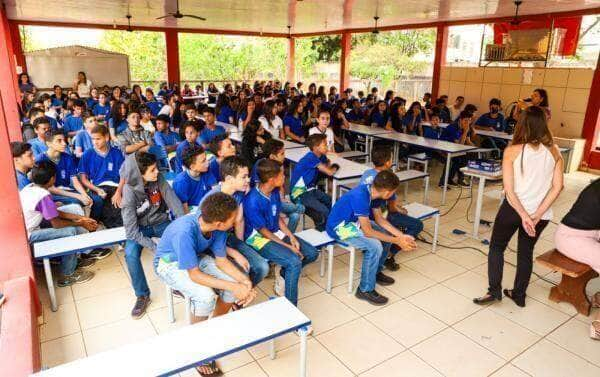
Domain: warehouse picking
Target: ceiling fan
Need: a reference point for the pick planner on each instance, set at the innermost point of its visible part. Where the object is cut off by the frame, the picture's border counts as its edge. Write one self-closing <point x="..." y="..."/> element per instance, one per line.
<point x="129" y="28"/>
<point x="178" y="15"/>
<point x="515" y="21"/>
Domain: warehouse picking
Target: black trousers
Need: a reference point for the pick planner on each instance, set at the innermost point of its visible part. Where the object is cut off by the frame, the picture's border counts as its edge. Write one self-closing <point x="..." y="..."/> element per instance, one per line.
<point x="506" y="224"/>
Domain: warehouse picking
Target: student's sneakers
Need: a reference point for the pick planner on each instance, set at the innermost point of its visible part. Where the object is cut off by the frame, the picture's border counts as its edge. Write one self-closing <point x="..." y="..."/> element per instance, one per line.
<point x="279" y="286"/>
<point x="383" y="279"/>
<point x="373" y="297"/>
<point x="391" y="264"/>
<point x="463" y="183"/>
<point x="85" y="263"/>
<point x="97" y="254"/>
<point x="139" y="309"/>
<point x="79" y="276"/>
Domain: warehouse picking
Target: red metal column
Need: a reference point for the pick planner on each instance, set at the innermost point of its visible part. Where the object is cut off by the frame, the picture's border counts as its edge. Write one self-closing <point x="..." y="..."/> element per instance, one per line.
<point x="591" y="124"/>
<point x="439" y="59"/>
<point x="345" y="61"/>
<point x="172" y="41"/>
<point x="291" y="61"/>
<point x="15" y="36"/>
<point x="9" y="89"/>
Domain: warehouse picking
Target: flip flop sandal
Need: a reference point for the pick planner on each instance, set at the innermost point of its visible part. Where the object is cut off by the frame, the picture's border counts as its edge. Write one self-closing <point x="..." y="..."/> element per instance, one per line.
<point x="595" y="332"/>
<point x="216" y="372"/>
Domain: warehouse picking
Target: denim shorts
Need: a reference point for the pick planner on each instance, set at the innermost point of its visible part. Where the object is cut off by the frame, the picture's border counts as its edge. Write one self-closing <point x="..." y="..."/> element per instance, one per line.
<point x="203" y="298"/>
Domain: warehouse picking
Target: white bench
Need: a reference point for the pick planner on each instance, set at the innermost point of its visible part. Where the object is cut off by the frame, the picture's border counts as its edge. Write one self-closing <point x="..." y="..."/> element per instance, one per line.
<point x="320" y="240"/>
<point x="73" y="245"/>
<point x="350" y="155"/>
<point x="422" y="212"/>
<point x="418" y="158"/>
<point x="190" y="346"/>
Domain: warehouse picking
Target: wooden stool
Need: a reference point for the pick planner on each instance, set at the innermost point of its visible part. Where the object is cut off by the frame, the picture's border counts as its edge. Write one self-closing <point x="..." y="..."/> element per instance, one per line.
<point x="575" y="277"/>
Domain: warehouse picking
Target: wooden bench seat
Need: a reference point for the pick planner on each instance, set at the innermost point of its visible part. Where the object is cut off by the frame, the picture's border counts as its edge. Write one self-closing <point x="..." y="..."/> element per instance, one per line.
<point x="575" y="277"/>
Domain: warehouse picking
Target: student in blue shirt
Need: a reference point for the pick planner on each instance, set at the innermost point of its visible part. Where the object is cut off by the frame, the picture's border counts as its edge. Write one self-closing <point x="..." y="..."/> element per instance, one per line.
<point x="412" y="119"/>
<point x="236" y="182"/>
<point x="442" y="110"/>
<point x="152" y="103"/>
<point x="350" y="223"/>
<point x="191" y="258"/>
<point x="83" y="138"/>
<point x="379" y="115"/>
<point x="303" y="183"/>
<point x="219" y="148"/>
<point x="166" y="139"/>
<point x="99" y="173"/>
<point x="494" y="121"/>
<point x="397" y="214"/>
<point x="433" y="130"/>
<point x="458" y="132"/>
<point x="292" y="122"/>
<point x="67" y="188"/>
<point x="58" y="98"/>
<point x="266" y="231"/>
<point x="23" y="161"/>
<point x="190" y="132"/>
<point x="192" y="184"/>
<point x="92" y="99"/>
<point x="38" y="144"/>
<point x="74" y="123"/>
<point x="102" y="109"/>
<point x="118" y="120"/>
<point x="211" y="130"/>
<point x="224" y="111"/>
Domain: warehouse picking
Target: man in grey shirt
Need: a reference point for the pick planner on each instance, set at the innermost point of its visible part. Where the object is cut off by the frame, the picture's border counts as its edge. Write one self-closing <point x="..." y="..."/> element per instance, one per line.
<point x="135" y="138"/>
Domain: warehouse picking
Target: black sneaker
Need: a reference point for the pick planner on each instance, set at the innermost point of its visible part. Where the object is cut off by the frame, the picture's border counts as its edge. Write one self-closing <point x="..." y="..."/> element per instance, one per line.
<point x="97" y="254"/>
<point x="373" y="297"/>
<point x="441" y="185"/>
<point x="452" y="183"/>
<point x="79" y="276"/>
<point x="85" y="263"/>
<point x="463" y="183"/>
<point x="390" y="264"/>
<point x="383" y="279"/>
<point x="139" y="309"/>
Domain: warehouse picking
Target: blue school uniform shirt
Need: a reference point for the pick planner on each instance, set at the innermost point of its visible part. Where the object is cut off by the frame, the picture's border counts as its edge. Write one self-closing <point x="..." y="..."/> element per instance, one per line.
<point x="408" y="119"/>
<point x="238" y="195"/>
<point x="53" y="122"/>
<point x="207" y="135"/>
<point x="120" y="127"/>
<point x="66" y="168"/>
<point x="179" y="154"/>
<point x="260" y="211"/>
<point x="22" y="180"/>
<point x="56" y="101"/>
<point x="214" y="168"/>
<point x="342" y="222"/>
<point x="38" y="147"/>
<point x="486" y="120"/>
<point x="166" y="139"/>
<point x="83" y="140"/>
<point x="154" y="107"/>
<point x="379" y="118"/>
<point x="225" y="113"/>
<point x="305" y="173"/>
<point x="73" y="124"/>
<point x="295" y="124"/>
<point x="98" y="109"/>
<point x="451" y="133"/>
<point x="91" y="103"/>
<point x="191" y="190"/>
<point x="183" y="242"/>
<point x="367" y="179"/>
<point x="100" y="168"/>
<point x="431" y="133"/>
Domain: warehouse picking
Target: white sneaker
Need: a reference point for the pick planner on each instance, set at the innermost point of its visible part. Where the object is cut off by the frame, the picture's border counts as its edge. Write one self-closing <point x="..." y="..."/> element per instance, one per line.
<point x="279" y="287"/>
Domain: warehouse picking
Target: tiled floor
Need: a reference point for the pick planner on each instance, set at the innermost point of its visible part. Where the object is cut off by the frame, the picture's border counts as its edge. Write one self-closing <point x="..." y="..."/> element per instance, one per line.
<point x="430" y="327"/>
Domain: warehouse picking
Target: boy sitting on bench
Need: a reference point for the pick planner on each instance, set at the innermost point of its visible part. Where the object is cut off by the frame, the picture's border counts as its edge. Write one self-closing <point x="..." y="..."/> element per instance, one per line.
<point x="37" y="205"/>
<point x="23" y="161"/>
<point x="183" y="261"/>
<point x="219" y="148"/>
<point x="350" y="223"/>
<point x="397" y="215"/>
<point x="192" y="184"/>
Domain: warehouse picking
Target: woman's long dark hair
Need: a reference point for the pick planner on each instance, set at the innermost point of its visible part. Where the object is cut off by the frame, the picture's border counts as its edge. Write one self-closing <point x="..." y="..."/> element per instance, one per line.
<point x="115" y="113"/>
<point x="268" y="112"/>
<point x="532" y="128"/>
<point x="222" y="100"/>
<point x="395" y="117"/>
<point x="250" y="146"/>
<point x="544" y="94"/>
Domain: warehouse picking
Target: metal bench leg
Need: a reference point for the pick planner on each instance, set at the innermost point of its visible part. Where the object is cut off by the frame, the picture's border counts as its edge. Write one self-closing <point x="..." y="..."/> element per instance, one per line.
<point x="50" y="283"/>
<point x="425" y="166"/>
<point x="322" y="267"/>
<point x="426" y="192"/>
<point x="329" y="268"/>
<point x="272" y="349"/>
<point x="170" y="308"/>
<point x="303" y="336"/>
<point x="188" y="310"/>
<point x="435" y="232"/>
<point x="351" y="269"/>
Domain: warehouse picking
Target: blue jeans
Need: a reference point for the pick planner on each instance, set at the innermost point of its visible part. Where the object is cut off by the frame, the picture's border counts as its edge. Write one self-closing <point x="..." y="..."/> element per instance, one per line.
<point x="408" y="225"/>
<point x="375" y="253"/>
<point x="293" y="211"/>
<point x="318" y="205"/>
<point x="291" y="264"/>
<point x="97" y="204"/>
<point x="133" y="252"/>
<point x="68" y="263"/>
<point x="259" y="267"/>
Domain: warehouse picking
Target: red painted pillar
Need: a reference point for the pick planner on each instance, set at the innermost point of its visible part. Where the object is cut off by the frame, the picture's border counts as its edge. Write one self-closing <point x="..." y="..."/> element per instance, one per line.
<point x="172" y="41"/>
<point x="591" y="124"/>
<point x="345" y="61"/>
<point x="9" y="89"/>
<point x="17" y="45"/>
<point x="291" y="61"/>
<point x="439" y="59"/>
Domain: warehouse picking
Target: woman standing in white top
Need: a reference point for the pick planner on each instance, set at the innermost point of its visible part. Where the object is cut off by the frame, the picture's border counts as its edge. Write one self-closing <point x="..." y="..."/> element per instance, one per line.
<point x="82" y="86"/>
<point x="532" y="170"/>
<point x="270" y="121"/>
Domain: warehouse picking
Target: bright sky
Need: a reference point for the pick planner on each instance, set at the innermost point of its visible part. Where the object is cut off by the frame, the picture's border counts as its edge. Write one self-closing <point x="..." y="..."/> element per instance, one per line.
<point x="47" y="37"/>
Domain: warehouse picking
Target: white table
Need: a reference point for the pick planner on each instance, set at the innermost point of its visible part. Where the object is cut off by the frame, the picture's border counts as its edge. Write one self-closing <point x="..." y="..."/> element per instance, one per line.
<point x="451" y="150"/>
<point x="404" y="176"/>
<point x="368" y="132"/>
<point x="189" y="346"/>
<point x="290" y="144"/>
<point x="186" y="98"/>
<point x="348" y="170"/>
<point x="228" y="127"/>
<point x="482" y="176"/>
<point x="495" y="134"/>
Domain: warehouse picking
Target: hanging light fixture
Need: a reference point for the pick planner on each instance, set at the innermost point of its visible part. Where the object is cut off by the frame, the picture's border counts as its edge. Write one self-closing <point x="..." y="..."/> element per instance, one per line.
<point x="129" y="29"/>
<point x="376" y="30"/>
<point x="515" y="21"/>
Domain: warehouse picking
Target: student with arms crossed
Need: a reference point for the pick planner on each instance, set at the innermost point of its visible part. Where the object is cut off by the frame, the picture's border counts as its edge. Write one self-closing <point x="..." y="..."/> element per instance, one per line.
<point x="397" y="215"/>
<point x="184" y="261"/>
<point x="267" y="233"/>
<point x="350" y="223"/>
<point x="303" y="183"/>
<point x="192" y="184"/>
<point x="135" y="138"/>
<point x="147" y="201"/>
<point x="236" y="182"/>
